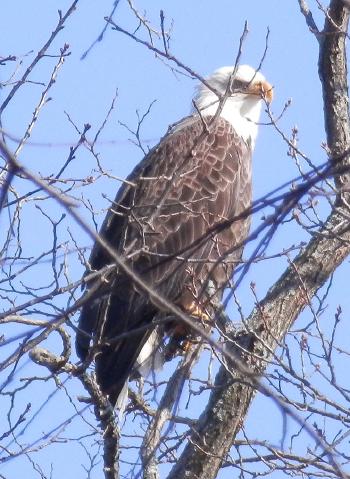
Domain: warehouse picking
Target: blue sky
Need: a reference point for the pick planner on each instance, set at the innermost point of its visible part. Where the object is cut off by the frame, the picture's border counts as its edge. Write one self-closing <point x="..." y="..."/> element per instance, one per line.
<point x="204" y="35"/>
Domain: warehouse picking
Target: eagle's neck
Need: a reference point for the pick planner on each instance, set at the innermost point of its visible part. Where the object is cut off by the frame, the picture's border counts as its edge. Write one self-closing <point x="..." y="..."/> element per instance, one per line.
<point x="242" y="111"/>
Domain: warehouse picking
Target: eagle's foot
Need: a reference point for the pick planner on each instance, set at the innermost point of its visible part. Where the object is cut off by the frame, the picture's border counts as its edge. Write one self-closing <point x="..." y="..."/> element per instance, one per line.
<point x="193" y="309"/>
<point x="187" y="344"/>
<point x="182" y="336"/>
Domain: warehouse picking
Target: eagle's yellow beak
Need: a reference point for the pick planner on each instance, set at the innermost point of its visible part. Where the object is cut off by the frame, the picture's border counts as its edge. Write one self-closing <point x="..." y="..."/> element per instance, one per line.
<point x="263" y="89"/>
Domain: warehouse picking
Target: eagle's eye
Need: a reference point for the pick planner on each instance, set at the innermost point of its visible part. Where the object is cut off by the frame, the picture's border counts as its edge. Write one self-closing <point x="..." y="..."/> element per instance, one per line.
<point x="238" y="86"/>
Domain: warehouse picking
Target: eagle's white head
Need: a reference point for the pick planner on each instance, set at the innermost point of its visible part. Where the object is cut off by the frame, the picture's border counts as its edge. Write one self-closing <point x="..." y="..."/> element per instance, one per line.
<point x="247" y="90"/>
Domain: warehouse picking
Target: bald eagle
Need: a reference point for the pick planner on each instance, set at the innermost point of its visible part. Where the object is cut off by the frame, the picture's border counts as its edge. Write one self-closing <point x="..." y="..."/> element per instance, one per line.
<point x="165" y="221"/>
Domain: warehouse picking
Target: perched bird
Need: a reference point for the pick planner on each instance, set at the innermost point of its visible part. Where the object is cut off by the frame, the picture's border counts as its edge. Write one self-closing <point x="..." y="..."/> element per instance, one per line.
<point x="171" y="222"/>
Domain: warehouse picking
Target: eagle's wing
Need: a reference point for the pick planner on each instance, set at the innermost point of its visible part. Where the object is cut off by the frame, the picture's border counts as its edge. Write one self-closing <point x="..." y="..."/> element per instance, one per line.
<point x="193" y="180"/>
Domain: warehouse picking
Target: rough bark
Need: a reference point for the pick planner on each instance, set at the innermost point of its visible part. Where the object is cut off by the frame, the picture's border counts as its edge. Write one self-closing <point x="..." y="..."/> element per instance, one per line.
<point x="270" y="321"/>
<point x="332" y="69"/>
